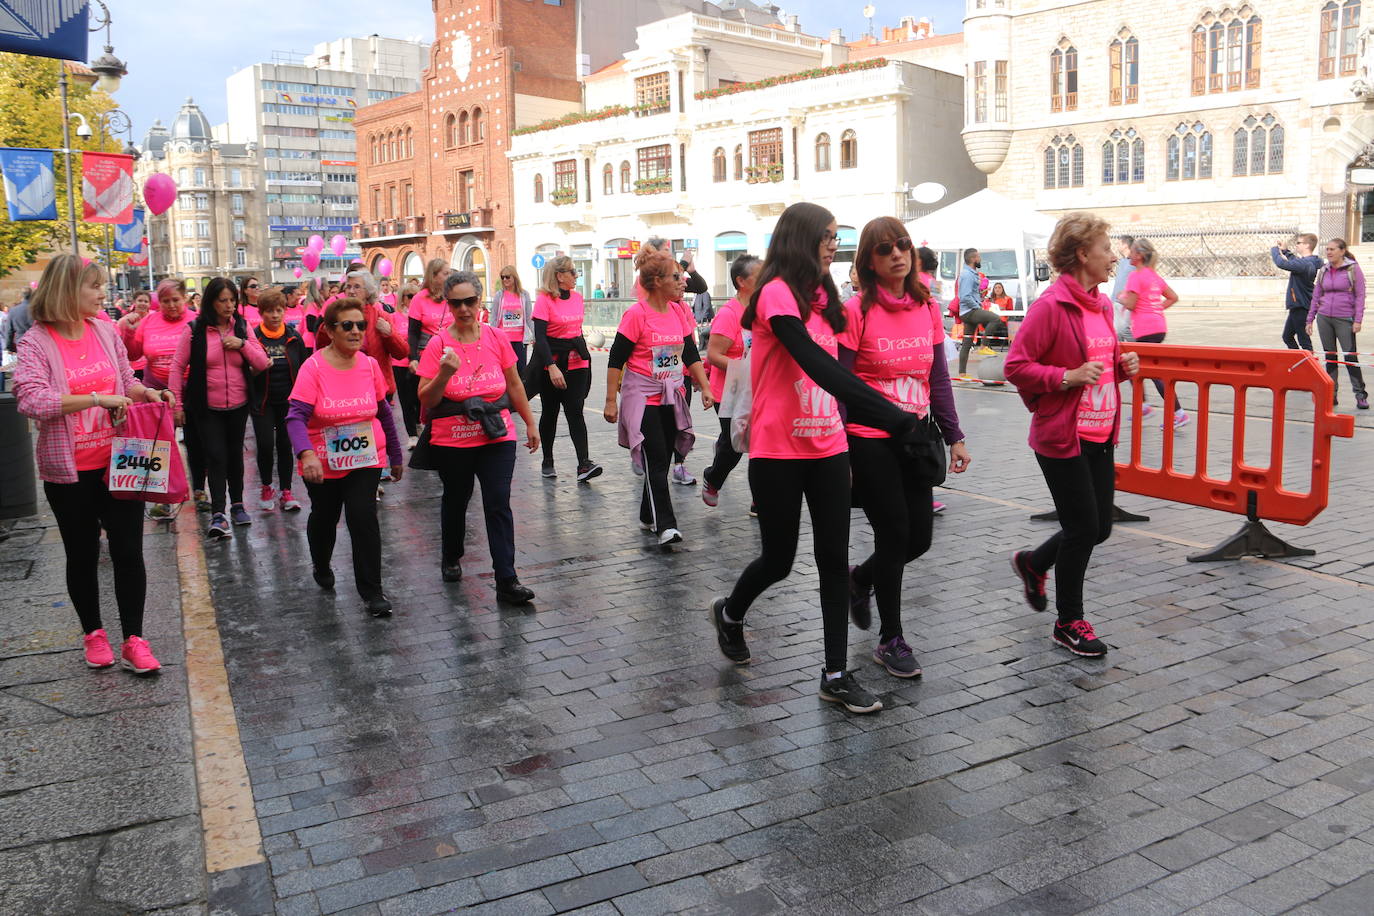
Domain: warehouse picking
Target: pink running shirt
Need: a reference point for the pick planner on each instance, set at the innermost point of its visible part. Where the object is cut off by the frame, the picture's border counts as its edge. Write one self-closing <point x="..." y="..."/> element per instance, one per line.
<point x="565" y="320"/>
<point x="481" y="375"/>
<point x="89" y="371"/>
<point x="512" y="317"/>
<point x="894" y="355"/>
<point x="158" y="338"/>
<point x="1098" y="404"/>
<point x="345" y="402"/>
<point x="727" y="324"/>
<point x="1147" y="317"/>
<point x="658" y="339"/>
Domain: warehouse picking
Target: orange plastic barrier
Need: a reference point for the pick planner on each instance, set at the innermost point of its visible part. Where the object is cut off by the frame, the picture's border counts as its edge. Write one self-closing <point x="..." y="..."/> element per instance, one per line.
<point x="1256" y="492"/>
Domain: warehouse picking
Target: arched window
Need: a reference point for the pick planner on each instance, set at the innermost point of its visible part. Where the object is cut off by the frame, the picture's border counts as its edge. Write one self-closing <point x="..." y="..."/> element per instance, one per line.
<point x="539" y="189"/>
<point x="625" y="183"/>
<point x="410" y="143"/>
<point x="391" y="147"/>
<point x="718" y="164"/>
<point x="1123" y="158"/>
<point x="822" y="152"/>
<point x="1064" y="78"/>
<point x="450" y="131"/>
<point x="1226" y="51"/>
<point x="1124" y="56"/>
<point x="372" y="141"/>
<point x="1188" y="153"/>
<point x="607" y="179"/>
<point x="1258" y="147"/>
<point x="849" y="150"/>
<point x="1064" y="163"/>
<point x="479" y="126"/>
<point x="464" y="135"/>
<point x="1339" y="47"/>
<point x="739" y="162"/>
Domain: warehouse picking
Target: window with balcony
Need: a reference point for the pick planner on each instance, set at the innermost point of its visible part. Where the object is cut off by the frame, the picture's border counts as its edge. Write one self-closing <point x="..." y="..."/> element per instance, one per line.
<point x="849" y="150"/>
<point x="1064" y="163"/>
<point x="765" y="156"/>
<point x="1064" y="78"/>
<point x="980" y="92"/>
<point x="607" y="180"/>
<point x="565" y="181"/>
<point x="392" y="210"/>
<point x="539" y="189"/>
<point x="1123" y="158"/>
<point x="822" y="152"/>
<point x="1258" y="147"/>
<point x="236" y="203"/>
<point x="1339" y="45"/>
<point x="240" y="257"/>
<point x="1002" y="105"/>
<point x="240" y="230"/>
<point x="718" y="171"/>
<point x="655" y="169"/>
<point x="236" y="178"/>
<point x="1226" y="51"/>
<point x="652" y="94"/>
<point x="467" y="190"/>
<point x="625" y="184"/>
<point x="1188" y="153"/>
<point x="410" y="199"/>
<point x="1124" y="57"/>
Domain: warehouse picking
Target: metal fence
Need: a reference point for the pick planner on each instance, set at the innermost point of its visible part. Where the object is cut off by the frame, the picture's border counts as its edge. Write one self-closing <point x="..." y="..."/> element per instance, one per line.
<point x="1207" y="252"/>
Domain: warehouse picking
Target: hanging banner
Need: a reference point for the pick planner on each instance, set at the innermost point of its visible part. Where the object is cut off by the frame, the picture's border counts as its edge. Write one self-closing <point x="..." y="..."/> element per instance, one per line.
<point x="107" y="188"/>
<point x="30" y="190"/>
<point x="46" y="28"/>
<point x="129" y="236"/>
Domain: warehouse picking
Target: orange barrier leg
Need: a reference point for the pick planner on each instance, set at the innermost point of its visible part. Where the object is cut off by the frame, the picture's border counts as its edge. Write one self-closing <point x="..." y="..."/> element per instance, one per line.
<point x="1252" y="540"/>
<point x="1118" y="515"/>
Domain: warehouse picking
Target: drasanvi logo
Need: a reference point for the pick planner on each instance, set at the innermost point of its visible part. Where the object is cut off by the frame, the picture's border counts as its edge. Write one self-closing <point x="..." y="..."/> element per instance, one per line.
<point x="903" y="343"/>
<point x="96" y="368"/>
<point x="337" y="405"/>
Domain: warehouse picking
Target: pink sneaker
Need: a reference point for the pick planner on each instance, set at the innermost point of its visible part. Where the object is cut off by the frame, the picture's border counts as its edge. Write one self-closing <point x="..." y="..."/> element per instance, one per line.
<point x="98" y="651"/>
<point x="288" y="502"/>
<point x="710" y="495"/>
<point x="137" y="657"/>
<point x="267" y="498"/>
<point x="936" y="507"/>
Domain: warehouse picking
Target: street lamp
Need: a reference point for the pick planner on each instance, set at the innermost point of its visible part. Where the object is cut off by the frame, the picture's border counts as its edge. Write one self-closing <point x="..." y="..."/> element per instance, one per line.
<point x="110" y="70"/>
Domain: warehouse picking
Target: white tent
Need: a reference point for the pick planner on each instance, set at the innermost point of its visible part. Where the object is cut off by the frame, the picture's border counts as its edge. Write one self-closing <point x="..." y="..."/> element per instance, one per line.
<point x="985" y="220"/>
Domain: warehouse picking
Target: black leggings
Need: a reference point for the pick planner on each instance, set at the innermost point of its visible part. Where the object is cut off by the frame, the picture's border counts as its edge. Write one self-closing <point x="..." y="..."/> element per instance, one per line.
<point x="269" y="429"/>
<point x="897" y="502"/>
<point x="571" y="400"/>
<point x="221" y="440"/>
<point x="408" y="393"/>
<point x="779" y="484"/>
<point x="492" y="466"/>
<point x="659" y="427"/>
<point x="1155" y="338"/>
<point x="81" y="510"/>
<point x="1295" y="336"/>
<point x="355" y="495"/>
<point x="725" y="458"/>
<point x="1083" y="488"/>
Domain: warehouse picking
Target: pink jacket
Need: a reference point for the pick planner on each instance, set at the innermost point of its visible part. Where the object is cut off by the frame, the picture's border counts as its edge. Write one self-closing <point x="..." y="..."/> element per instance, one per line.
<point x="41" y="380"/>
<point x="225" y="386"/>
<point x="1050" y="343"/>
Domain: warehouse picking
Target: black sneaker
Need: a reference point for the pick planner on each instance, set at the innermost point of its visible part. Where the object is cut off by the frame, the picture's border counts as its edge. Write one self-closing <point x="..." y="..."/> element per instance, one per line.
<point x="848" y="692"/>
<point x="451" y="572"/>
<point x="1032" y="582"/>
<point x="1078" y="637"/>
<point x="587" y="470"/>
<point x="860" y="603"/>
<point x="378" y="605"/>
<point x="324" y="578"/>
<point x="546" y="470"/>
<point x="512" y="592"/>
<point x="730" y="636"/>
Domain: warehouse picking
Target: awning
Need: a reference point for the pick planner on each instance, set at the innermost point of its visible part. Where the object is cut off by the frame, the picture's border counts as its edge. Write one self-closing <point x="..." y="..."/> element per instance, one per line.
<point x="732" y="241"/>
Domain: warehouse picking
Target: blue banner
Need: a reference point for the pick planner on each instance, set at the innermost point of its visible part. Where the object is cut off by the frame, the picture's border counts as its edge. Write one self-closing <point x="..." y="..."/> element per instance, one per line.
<point x="129" y="237"/>
<point x="44" y="28"/>
<point x="30" y="189"/>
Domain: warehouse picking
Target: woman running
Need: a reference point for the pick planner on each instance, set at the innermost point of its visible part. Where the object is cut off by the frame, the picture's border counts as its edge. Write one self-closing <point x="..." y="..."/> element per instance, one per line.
<point x="653" y="346"/>
<point x="797" y="447"/>
<point x="1337" y="310"/>
<point x="468" y="383"/>
<point x="727" y="343"/>
<point x="894" y="339"/>
<point x="1147" y="296"/>
<point x="1075" y="418"/>
<point x="339" y="421"/>
<point x="512" y="315"/>
<point x="74" y="380"/>
<point x="561" y="371"/>
<point x="268" y="403"/>
<point x="211" y="370"/>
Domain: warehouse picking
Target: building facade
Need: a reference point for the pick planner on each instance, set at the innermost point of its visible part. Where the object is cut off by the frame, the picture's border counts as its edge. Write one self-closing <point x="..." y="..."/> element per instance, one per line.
<point x="301" y="116"/>
<point x="218" y="225"/>
<point x="706" y="131"/>
<point x="1213" y="129"/>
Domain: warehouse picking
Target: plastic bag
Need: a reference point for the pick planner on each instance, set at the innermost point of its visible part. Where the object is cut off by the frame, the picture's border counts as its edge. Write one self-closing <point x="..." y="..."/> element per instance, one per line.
<point x="145" y="462"/>
<point x="737" y="401"/>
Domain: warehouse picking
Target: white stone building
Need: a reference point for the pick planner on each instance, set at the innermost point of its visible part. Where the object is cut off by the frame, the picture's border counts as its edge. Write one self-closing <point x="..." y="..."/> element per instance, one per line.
<point x="707" y="130"/>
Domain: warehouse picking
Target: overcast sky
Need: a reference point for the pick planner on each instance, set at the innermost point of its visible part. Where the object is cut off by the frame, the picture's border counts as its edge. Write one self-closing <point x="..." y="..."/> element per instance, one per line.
<point x="179" y="48"/>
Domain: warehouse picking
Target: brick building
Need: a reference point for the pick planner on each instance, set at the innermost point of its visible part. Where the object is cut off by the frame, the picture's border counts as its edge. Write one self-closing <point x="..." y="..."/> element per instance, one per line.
<point x="434" y="180"/>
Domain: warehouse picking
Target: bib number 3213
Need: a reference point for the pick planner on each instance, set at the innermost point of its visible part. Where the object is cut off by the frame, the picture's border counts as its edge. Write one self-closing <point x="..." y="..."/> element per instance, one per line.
<point x="350" y="446"/>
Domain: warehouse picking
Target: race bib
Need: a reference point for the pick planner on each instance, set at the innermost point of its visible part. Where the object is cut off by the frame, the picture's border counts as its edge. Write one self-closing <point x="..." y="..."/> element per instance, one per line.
<point x="667" y="360"/>
<point x="139" y="465"/>
<point x="512" y="318"/>
<point x="748" y="341"/>
<point x="350" y="446"/>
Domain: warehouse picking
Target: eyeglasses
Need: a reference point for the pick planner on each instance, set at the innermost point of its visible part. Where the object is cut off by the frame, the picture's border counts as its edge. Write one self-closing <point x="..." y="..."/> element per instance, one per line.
<point x="827" y="237"/>
<point x="883" y="249"/>
<point x="351" y="325"/>
<point x="469" y="302"/>
<point x="575" y="273"/>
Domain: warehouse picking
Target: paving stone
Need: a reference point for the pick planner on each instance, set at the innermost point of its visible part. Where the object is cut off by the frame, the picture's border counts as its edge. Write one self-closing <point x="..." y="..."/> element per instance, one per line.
<point x="603" y="885"/>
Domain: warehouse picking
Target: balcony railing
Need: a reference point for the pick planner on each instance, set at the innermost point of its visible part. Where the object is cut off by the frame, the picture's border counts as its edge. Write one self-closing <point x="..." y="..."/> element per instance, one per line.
<point x="758" y="174"/>
<point x="563" y="196"/>
<point x="660" y="184"/>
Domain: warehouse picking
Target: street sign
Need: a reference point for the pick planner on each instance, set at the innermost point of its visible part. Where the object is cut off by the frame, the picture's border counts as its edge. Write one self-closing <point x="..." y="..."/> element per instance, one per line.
<point x="538" y="262"/>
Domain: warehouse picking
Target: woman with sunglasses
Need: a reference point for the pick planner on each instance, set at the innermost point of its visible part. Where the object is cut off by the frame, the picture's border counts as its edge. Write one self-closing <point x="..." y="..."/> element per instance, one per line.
<point x="894" y="341"/>
<point x="511" y="314"/>
<point x="249" y="287"/>
<point x="468" y="384"/>
<point x="654" y="351"/>
<point x="561" y="371"/>
<point x="797" y="447"/>
<point x="338" y="421"/>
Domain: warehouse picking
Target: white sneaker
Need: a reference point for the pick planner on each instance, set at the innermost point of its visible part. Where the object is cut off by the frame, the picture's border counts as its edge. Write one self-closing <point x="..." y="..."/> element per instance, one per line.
<point x="669" y="536"/>
<point x="683" y="476"/>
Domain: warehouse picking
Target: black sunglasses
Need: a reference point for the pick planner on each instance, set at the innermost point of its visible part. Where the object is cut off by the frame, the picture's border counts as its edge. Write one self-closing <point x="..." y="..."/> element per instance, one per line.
<point x="251" y="286"/>
<point x="883" y="249"/>
<point x="350" y="325"/>
<point x="469" y="302"/>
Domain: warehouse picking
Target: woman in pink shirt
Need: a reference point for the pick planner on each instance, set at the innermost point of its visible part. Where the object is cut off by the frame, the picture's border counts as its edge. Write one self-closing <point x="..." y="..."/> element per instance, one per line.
<point x="249" y="287"/>
<point x="512" y="314"/>
<point x="797" y="446"/>
<point x="138" y="310"/>
<point x="560" y="372"/>
<point x="468" y="386"/>
<point x="1146" y="297"/>
<point x="1066" y="364"/>
<point x="653" y="353"/>
<point x="74" y="380"/>
<point x="343" y="434"/>
<point x="210" y="372"/>
<point x="894" y="340"/>
<point x="727" y="343"/>
<point x="312" y="301"/>
<point x="428" y="314"/>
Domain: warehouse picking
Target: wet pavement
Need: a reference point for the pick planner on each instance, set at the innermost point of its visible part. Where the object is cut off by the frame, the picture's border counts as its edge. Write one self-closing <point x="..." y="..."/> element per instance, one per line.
<point x="595" y="753"/>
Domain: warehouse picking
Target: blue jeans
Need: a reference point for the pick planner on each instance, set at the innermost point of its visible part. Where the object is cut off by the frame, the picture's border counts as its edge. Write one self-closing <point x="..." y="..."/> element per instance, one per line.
<point x="1295" y="330"/>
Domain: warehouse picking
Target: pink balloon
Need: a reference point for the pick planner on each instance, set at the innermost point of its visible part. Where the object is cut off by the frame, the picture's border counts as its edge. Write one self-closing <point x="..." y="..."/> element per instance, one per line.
<point x="159" y="192"/>
<point x="338" y="244"/>
<point x="316" y="244"/>
<point x="385" y="267"/>
<point x="311" y="260"/>
<point x="298" y="273"/>
<point x="33" y="284"/>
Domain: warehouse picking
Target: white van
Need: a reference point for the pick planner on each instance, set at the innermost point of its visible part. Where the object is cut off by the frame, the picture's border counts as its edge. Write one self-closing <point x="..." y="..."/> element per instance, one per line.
<point x="1021" y="274"/>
